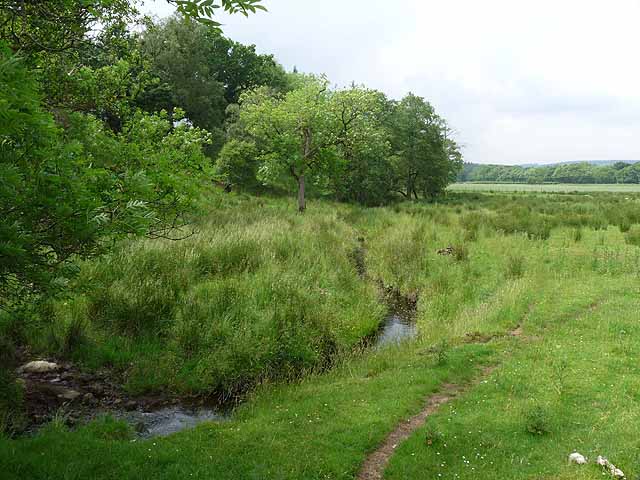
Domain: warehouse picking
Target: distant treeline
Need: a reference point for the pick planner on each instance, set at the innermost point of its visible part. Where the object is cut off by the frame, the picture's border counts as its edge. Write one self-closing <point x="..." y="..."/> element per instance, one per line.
<point x="581" y="172"/>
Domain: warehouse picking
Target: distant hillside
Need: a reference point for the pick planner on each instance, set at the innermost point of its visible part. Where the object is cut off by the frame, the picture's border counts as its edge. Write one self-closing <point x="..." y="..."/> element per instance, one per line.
<point x="590" y="162"/>
<point x="579" y="172"/>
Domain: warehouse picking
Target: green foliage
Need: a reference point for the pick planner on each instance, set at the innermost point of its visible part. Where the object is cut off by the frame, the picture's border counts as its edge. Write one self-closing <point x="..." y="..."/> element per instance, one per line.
<point x="515" y="266"/>
<point x="62" y="193"/>
<point x="425" y="160"/>
<point x="238" y="163"/>
<point x="353" y="142"/>
<point x="460" y="252"/>
<point x="56" y="26"/>
<point x="577" y="234"/>
<point x="202" y="72"/>
<point x="571" y="173"/>
<point x="303" y="133"/>
<point x="203" y="10"/>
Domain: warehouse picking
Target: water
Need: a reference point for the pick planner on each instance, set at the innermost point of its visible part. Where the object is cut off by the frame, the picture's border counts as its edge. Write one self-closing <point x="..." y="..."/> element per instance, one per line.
<point x="169" y="420"/>
<point x="395" y="330"/>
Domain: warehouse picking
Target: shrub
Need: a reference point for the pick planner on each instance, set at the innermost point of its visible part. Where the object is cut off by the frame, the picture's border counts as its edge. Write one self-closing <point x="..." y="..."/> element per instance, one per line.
<point x="537" y="421"/>
<point x="237" y="162"/>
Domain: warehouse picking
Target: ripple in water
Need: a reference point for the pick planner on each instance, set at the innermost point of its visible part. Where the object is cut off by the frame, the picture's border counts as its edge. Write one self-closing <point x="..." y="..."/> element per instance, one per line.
<point x="169" y="420"/>
<point x="395" y="330"/>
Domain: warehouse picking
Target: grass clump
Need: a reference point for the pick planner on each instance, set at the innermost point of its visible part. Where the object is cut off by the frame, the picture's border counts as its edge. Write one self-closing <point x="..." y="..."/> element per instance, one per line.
<point x="632" y="237"/>
<point x="515" y="266"/>
<point x="537" y="421"/>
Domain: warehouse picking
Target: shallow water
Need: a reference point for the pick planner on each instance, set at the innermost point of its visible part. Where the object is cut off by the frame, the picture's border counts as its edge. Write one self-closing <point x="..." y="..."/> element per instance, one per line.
<point x="169" y="420"/>
<point x="395" y="330"/>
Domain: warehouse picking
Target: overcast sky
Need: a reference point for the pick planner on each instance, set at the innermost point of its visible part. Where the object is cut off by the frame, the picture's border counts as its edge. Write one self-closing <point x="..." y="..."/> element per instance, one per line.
<point x="549" y="81"/>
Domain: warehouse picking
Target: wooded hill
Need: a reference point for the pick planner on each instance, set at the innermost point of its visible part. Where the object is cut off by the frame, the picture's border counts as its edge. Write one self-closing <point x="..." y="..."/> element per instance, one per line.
<point x="573" y="172"/>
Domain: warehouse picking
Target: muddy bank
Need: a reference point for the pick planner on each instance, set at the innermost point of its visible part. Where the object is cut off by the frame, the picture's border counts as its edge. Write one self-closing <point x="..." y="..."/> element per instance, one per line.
<point x="61" y="390"/>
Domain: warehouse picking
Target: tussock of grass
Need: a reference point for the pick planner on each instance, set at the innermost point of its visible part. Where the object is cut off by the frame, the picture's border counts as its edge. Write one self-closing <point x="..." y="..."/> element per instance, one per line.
<point x="260" y="293"/>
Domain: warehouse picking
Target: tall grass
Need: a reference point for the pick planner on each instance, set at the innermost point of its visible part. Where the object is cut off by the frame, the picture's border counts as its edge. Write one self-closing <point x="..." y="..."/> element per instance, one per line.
<point x="262" y="293"/>
<point x="259" y="294"/>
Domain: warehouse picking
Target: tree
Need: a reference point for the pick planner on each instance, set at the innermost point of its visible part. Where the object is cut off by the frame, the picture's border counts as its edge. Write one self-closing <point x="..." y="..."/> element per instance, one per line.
<point x="203" y="10"/>
<point x="179" y="54"/>
<point x="202" y="72"/>
<point x="55" y="26"/>
<point x="65" y="192"/>
<point x="302" y="134"/>
<point x="238" y="163"/>
<point x="426" y="159"/>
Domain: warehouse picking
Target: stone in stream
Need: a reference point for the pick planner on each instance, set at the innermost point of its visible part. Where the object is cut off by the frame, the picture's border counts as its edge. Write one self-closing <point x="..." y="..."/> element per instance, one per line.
<point x="39" y="366"/>
<point x="69" y="395"/>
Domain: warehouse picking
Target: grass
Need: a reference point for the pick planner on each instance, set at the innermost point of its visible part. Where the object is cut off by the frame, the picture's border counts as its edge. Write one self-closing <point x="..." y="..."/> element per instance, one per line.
<point x="573" y="388"/>
<point x="244" y="301"/>
<point x="569" y="382"/>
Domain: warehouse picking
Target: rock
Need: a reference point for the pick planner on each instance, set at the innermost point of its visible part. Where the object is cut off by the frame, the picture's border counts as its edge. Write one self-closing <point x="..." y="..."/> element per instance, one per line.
<point x="140" y="427"/>
<point x="69" y="395"/>
<point x="39" y="366"/>
<point x="88" y="397"/>
<point x="577" y="458"/>
<point x="610" y="467"/>
<point x="617" y="473"/>
<point x="130" y="405"/>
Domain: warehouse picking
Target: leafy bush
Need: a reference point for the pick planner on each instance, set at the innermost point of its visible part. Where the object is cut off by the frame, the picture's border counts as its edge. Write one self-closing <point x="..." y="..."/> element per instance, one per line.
<point x="537" y="421"/>
<point x="238" y="163"/>
<point x="63" y="194"/>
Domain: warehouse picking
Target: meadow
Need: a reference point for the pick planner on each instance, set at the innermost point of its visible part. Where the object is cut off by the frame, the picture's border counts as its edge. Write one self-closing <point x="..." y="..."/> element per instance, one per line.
<point x="271" y="310"/>
<point x="543" y="187"/>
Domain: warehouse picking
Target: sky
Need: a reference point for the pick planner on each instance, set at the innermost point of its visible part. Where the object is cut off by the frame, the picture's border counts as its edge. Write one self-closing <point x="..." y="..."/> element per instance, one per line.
<point x="541" y="82"/>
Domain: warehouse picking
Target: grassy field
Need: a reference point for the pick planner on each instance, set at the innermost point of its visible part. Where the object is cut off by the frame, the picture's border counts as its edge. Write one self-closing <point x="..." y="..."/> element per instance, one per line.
<point x="563" y="268"/>
<point x="556" y="187"/>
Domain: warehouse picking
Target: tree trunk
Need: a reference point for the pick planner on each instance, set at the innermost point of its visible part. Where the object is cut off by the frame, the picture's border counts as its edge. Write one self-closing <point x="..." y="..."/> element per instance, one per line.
<point x="302" y="205"/>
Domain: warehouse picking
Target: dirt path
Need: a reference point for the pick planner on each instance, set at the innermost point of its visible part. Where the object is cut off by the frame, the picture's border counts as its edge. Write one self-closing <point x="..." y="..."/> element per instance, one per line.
<point x="375" y="464"/>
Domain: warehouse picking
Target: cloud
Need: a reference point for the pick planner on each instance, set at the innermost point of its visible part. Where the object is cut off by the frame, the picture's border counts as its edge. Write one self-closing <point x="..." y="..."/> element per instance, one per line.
<point x="521" y="83"/>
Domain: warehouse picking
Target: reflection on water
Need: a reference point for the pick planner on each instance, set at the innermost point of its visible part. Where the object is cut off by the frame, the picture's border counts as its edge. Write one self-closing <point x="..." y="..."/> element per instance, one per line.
<point x="395" y="330"/>
<point x="169" y="420"/>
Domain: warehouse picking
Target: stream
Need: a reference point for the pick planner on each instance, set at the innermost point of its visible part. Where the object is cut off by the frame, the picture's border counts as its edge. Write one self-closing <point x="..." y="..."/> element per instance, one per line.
<point x="395" y="330"/>
<point x="83" y="396"/>
<point x="169" y="420"/>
